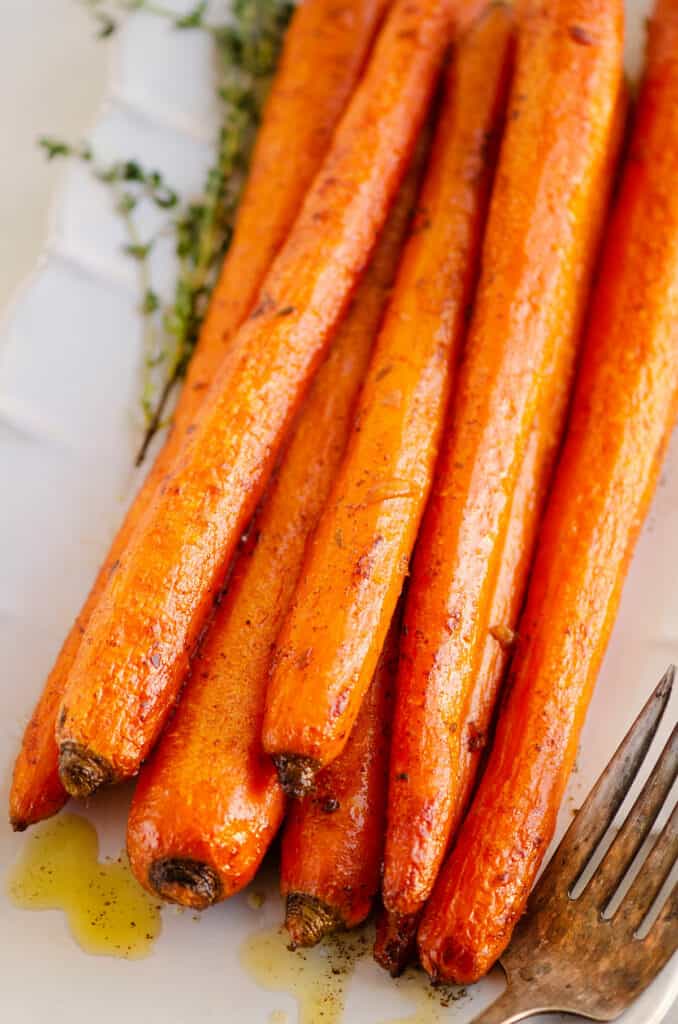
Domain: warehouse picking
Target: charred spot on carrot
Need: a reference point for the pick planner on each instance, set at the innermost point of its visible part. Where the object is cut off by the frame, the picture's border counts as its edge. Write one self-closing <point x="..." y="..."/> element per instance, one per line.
<point x="308" y="919"/>
<point x="395" y="944"/>
<point x="266" y="304"/>
<point x="477" y="738"/>
<point x="81" y="771"/>
<point x="296" y="774"/>
<point x="191" y="883"/>
<point x="581" y="35"/>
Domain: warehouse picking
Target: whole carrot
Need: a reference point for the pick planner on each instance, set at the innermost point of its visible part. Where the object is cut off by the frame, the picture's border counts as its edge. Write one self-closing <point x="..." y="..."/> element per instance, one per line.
<point x="625" y="406"/>
<point x="208" y="801"/>
<point x="136" y="647"/>
<point x="358" y="558"/>
<point x="395" y="944"/>
<point x="333" y="839"/>
<point x="542" y="235"/>
<point x="527" y="508"/>
<point x="323" y="54"/>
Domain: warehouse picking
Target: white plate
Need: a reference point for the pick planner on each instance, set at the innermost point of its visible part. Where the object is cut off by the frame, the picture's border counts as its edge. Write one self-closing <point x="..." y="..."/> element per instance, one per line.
<point x="68" y="427"/>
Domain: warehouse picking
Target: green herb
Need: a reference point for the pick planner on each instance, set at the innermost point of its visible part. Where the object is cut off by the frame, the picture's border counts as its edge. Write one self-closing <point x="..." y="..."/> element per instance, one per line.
<point x="138" y="250"/>
<point x="194" y="18"/>
<point x="248" y="48"/>
<point x="150" y="303"/>
<point x="57" y="147"/>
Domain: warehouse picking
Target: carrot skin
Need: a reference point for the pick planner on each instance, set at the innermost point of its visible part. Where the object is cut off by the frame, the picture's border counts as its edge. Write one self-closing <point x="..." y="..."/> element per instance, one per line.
<point x="527" y="510"/>
<point x="625" y="406"/>
<point x="325" y="45"/>
<point x="357" y="560"/>
<point x="544" y="224"/>
<point x="135" y="651"/>
<point x="208" y="801"/>
<point x="333" y="839"/>
<point x="395" y="944"/>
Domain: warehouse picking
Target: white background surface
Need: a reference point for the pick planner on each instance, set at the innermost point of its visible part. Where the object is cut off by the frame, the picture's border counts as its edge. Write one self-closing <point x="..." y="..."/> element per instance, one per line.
<point x="69" y="363"/>
<point x="52" y="79"/>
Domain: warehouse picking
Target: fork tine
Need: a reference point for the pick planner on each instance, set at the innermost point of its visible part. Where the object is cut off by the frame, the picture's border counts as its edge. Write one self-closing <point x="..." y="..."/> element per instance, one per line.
<point x="635" y="828"/>
<point x="650" y="878"/>
<point x="596" y="814"/>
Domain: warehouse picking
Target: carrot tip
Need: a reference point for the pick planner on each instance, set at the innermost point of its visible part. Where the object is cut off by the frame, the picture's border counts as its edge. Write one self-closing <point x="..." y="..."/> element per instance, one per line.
<point x="395" y="945"/>
<point x="188" y="882"/>
<point x="82" y="772"/>
<point x="308" y="919"/>
<point x="19" y="824"/>
<point x="297" y="774"/>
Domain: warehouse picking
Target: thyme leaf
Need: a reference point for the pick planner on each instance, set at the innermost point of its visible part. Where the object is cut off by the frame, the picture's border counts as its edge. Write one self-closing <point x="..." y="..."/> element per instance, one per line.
<point x="57" y="147"/>
<point x="194" y="18"/>
<point x="138" y="250"/>
<point x="150" y="303"/>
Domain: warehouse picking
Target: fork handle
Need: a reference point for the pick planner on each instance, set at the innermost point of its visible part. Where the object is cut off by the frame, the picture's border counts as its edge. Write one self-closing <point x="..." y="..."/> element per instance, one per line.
<point x="513" y="1004"/>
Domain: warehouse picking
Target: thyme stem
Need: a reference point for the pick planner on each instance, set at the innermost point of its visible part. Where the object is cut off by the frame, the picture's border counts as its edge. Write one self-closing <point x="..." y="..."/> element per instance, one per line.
<point x="151" y="340"/>
<point x="157" y="414"/>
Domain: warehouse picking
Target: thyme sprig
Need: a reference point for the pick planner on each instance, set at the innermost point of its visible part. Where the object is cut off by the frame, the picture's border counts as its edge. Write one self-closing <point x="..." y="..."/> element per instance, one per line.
<point x="247" y="47"/>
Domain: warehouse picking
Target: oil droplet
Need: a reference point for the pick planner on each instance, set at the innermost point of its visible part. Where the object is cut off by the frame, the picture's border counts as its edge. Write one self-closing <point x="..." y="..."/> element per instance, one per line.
<point x="256" y="899"/>
<point x="430" y="1004"/>
<point x="316" y="978"/>
<point x="108" y="912"/>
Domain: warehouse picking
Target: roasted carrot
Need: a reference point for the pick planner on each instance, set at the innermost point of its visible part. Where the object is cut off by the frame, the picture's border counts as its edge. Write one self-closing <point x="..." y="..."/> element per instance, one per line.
<point x="527" y="509"/>
<point x="625" y="406"/>
<point x="208" y="801"/>
<point x="543" y="229"/>
<point x="135" y="651"/>
<point x="395" y="944"/>
<point x="396" y="933"/>
<point x="356" y="563"/>
<point x="323" y="54"/>
<point x="333" y="840"/>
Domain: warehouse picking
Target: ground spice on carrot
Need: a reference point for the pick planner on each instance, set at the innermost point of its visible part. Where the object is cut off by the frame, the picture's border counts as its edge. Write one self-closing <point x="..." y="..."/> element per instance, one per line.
<point x="324" y="52"/>
<point x="135" y="651"/>
<point x="208" y="801"/>
<point x="542" y="238"/>
<point x="625" y="406"/>
<point x="356" y="563"/>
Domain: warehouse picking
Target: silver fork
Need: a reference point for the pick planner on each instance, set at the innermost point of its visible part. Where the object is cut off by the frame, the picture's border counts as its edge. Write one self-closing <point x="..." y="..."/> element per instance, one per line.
<point x="568" y="954"/>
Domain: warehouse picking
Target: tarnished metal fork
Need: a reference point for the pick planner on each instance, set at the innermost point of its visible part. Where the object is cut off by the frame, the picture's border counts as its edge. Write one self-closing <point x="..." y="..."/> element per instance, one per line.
<point x="569" y="954"/>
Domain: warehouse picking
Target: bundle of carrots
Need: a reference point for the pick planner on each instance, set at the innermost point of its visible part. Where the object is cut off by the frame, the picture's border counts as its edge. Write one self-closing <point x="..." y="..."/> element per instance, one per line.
<point x="403" y="477"/>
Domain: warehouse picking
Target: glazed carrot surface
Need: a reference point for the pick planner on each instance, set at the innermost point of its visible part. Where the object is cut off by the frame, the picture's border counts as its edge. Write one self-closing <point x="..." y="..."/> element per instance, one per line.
<point x="357" y="560"/>
<point x="135" y="651"/>
<point x="395" y="944"/>
<point x="625" y="407"/>
<point x="333" y="839"/>
<point x="208" y="802"/>
<point x="542" y="236"/>
<point x="326" y="45"/>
